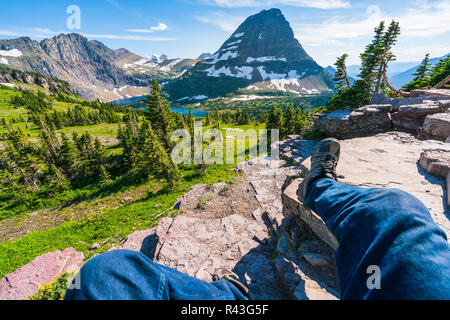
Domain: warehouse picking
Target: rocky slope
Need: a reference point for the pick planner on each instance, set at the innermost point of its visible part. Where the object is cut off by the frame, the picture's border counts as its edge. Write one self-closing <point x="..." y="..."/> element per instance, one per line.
<point x="261" y="54"/>
<point x="9" y="76"/>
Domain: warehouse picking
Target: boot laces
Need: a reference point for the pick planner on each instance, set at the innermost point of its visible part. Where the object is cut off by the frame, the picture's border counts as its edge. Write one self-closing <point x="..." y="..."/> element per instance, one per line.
<point x="329" y="165"/>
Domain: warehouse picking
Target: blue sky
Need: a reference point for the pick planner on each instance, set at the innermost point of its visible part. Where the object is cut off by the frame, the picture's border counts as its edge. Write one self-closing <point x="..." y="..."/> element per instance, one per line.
<point x="186" y="28"/>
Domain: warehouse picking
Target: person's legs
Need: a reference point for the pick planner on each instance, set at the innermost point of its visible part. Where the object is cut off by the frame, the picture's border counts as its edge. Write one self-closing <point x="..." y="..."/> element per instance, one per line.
<point x="129" y="275"/>
<point x="387" y="228"/>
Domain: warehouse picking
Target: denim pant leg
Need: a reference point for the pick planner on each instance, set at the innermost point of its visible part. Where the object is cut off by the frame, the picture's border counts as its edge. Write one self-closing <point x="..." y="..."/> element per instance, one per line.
<point x="388" y="228"/>
<point x="129" y="275"/>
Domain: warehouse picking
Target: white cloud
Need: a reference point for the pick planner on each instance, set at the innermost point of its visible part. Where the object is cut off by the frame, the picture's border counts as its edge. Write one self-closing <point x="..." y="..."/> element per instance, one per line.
<point x="160" y="27"/>
<point x="424" y="29"/>
<point x="222" y="20"/>
<point x="424" y="20"/>
<point x="320" y="4"/>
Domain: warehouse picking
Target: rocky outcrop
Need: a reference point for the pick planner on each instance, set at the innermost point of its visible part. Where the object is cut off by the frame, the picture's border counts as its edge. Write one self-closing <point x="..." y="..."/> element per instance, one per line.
<point x="386" y="160"/>
<point x="270" y="253"/>
<point x="411" y="117"/>
<point x="436" y="127"/>
<point x="403" y="114"/>
<point x="367" y="120"/>
<point x="25" y="282"/>
<point x="8" y="75"/>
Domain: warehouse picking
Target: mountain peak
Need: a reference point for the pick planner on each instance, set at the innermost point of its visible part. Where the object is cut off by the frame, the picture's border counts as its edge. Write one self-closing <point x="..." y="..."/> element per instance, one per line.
<point x="263" y="53"/>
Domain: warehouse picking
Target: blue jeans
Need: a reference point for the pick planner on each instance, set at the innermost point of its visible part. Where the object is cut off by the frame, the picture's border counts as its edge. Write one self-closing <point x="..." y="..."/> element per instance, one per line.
<point x="386" y="228"/>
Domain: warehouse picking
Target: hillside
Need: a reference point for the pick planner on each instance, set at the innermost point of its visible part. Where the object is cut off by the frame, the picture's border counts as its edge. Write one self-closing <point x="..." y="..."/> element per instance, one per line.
<point x="261" y="54"/>
<point x="91" y="68"/>
<point x="16" y="78"/>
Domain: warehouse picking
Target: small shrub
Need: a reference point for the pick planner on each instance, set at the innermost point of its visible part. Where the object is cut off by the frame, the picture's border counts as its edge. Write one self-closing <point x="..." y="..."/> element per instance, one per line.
<point x="54" y="290"/>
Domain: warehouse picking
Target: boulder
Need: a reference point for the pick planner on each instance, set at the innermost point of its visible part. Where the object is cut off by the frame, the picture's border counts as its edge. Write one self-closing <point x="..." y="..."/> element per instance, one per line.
<point x="411" y="117"/>
<point x="436" y="127"/>
<point x="436" y="162"/>
<point x="379" y="98"/>
<point x="26" y="281"/>
<point x="364" y="121"/>
<point x="143" y="241"/>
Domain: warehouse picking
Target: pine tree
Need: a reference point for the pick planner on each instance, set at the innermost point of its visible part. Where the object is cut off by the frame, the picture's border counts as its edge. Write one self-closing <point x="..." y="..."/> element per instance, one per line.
<point x="421" y="78"/>
<point x="152" y="157"/>
<point x="104" y="176"/>
<point x="289" y="121"/>
<point x="56" y="179"/>
<point x="340" y="77"/>
<point x="275" y="121"/>
<point x="389" y="39"/>
<point x="207" y="119"/>
<point x="440" y="71"/>
<point x="67" y="155"/>
<point x="160" y="116"/>
<point x="216" y="117"/>
<point x="371" y="57"/>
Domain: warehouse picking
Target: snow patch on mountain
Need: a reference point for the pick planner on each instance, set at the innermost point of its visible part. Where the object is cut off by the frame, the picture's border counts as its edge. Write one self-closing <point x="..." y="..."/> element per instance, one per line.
<point x="199" y="97"/>
<point x="221" y="57"/>
<point x="234" y="43"/>
<point x="271" y="75"/>
<point x="264" y="59"/>
<point x="4" y="61"/>
<point x="11" y="53"/>
<point x="240" y="72"/>
<point x="238" y="35"/>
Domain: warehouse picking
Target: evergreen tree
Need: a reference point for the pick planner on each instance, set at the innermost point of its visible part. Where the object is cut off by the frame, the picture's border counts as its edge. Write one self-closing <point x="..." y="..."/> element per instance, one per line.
<point x="275" y="120"/>
<point x="207" y="119"/>
<point x="389" y="39"/>
<point x="68" y="155"/>
<point x="152" y="157"/>
<point x="159" y="114"/>
<point x="440" y="71"/>
<point x="421" y="76"/>
<point x="371" y="57"/>
<point x="289" y="123"/>
<point x="340" y="77"/>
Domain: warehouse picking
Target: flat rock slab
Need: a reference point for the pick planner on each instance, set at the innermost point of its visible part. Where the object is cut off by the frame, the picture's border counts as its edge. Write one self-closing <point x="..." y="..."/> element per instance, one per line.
<point x="391" y="160"/>
<point x="26" y="281"/>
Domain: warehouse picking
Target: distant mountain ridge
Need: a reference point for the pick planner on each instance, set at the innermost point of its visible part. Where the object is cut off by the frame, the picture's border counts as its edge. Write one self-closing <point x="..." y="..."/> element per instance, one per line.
<point x="407" y="76"/>
<point x="92" y="69"/>
<point x="262" y="54"/>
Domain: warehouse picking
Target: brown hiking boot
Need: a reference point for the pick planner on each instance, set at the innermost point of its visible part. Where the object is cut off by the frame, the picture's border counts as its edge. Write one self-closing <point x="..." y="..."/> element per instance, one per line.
<point x="226" y="274"/>
<point x="324" y="160"/>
